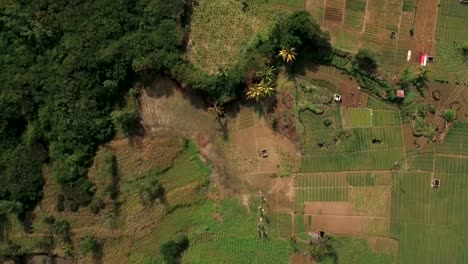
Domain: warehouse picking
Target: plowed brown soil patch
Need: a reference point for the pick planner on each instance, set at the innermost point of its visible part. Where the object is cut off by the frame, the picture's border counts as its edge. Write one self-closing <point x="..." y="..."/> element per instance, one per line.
<point x="383" y="245"/>
<point x="352" y="96"/>
<point x="350" y="225"/>
<point x="424" y="27"/>
<point x="328" y="208"/>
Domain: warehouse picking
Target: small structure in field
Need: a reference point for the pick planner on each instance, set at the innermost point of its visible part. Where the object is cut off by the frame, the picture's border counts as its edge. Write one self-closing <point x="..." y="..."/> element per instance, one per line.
<point x="315" y="237"/>
<point x="435" y="183"/>
<point x="337" y="97"/>
<point x="263" y="153"/>
<point x="400" y="93"/>
<point x="423" y="58"/>
<point x="464" y="1"/>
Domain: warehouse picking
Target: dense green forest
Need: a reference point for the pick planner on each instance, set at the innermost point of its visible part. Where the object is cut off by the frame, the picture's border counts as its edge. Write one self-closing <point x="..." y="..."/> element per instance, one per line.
<point x="65" y="63"/>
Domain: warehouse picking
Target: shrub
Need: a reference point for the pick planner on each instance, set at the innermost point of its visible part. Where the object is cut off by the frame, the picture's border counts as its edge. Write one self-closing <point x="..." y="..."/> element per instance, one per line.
<point x="449" y="115"/>
<point x="327" y="122"/>
<point x="366" y="60"/>
<point x="465" y="48"/>
<point x="90" y="245"/>
<point x="60" y="205"/>
<point x="62" y="229"/>
<point x="96" y="205"/>
<point x="172" y="249"/>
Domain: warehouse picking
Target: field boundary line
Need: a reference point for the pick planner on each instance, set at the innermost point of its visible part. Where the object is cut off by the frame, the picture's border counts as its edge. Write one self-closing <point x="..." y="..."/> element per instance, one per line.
<point x="343" y="15"/>
<point x="451" y="156"/>
<point x="255" y="136"/>
<point x="350" y="216"/>
<point x="340" y="186"/>
<point x="364" y="23"/>
<point x="402" y="135"/>
<point x="342" y="118"/>
<point x="344" y="172"/>
<point x="350" y="152"/>
<point x="324" y="8"/>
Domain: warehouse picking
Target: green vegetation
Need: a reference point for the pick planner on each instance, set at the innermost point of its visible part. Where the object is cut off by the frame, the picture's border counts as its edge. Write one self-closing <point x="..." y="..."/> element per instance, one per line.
<point x="377" y="146"/>
<point x="366" y="60"/>
<point x="171" y="250"/>
<point x="90" y="245"/>
<point x="465" y="48"/>
<point x="212" y="248"/>
<point x="449" y="115"/>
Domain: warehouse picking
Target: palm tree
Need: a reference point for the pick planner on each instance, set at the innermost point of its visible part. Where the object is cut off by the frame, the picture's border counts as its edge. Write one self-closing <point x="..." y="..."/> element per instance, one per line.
<point x="216" y="108"/>
<point x="407" y="78"/>
<point x="254" y="92"/>
<point x="259" y="90"/>
<point x="421" y="79"/>
<point x="288" y="55"/>
<point x="267" y="75"/>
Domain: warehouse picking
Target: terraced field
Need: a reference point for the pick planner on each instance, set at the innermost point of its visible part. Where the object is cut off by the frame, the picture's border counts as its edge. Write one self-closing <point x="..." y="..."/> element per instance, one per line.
<point x="364" y="139"/>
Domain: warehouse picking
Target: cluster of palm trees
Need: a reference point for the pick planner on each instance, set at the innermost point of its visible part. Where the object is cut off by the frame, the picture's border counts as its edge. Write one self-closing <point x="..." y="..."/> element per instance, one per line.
<point x="264" y="87"/>
<point x="409" y="78"/>
<point x="267" y="77"/>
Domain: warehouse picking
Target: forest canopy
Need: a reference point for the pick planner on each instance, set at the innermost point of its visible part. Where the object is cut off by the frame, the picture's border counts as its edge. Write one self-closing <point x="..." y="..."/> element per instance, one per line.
<point x="65" y="64"/>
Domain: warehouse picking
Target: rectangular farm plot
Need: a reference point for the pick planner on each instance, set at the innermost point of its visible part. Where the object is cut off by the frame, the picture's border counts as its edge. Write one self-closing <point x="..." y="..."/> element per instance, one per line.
<point x="353" y="212"/>
<point x="357" y="117"/>
<point x="355" y="13"/>
<point x="452" y="21"/>
<point x="456" y="141"/>
<point x="375" y="160"/>
<point x="334" y="10"/>
<point x="424" y="218"/>
<point x="376" y="104"/>
<point x="386" y="118"/>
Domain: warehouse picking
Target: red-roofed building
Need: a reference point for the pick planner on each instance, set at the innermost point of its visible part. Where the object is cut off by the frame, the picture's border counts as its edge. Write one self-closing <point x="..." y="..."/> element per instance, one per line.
<point x="423" y="58"/>
<point x="400" y="93"/>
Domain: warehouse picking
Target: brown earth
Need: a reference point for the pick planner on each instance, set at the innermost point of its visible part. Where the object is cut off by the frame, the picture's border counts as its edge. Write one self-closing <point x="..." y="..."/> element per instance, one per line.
<point x="383" y="245"/>
<point x="284" y="116"/>
<point x="302" y="259"/>
<point x="350" y="225"/>
<point x="328" y="208"/>
<point x="425" y="27"/>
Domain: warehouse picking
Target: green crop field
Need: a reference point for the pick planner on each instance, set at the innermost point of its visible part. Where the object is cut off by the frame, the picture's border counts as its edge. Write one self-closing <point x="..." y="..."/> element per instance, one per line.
<point x="376" y="104"/>
<point x="209" y="248"/>
<point x="355" y="12"/>
<point x="451" y="32"/>
<point x="357" y="117"/>
<point x="437" y="215"/>
<point x="356" y="148"/>
<point x="220" y="30"/>
<point x="385" y="118"/>
<point x="452" y="21"/>
<point x="430" y="223"/>
<point x="456" y="141"/>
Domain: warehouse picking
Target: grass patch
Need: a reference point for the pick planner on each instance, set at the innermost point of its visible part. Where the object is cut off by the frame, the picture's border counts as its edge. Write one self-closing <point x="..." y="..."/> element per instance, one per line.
<point x="357" y="250"/>
<point x="376" y="104"/>
<point x="452" y="21"/>
<point x="408" y="5"/>
<point x="357" y="117"/>
<point x="450" y="62"/>
<point x="386" y="118"/>
<point x="218" y="248"/>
